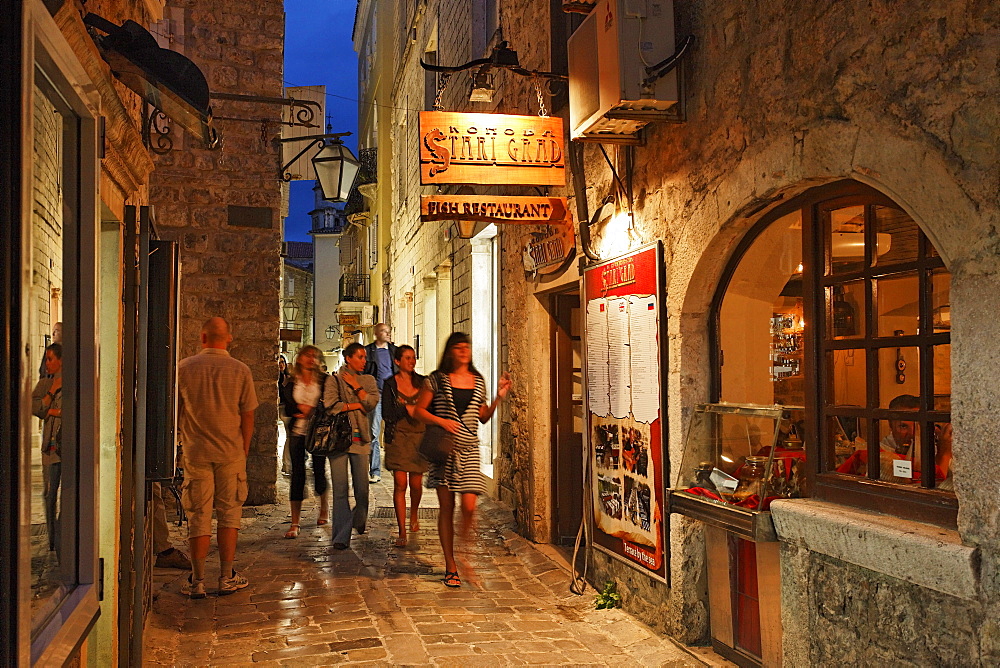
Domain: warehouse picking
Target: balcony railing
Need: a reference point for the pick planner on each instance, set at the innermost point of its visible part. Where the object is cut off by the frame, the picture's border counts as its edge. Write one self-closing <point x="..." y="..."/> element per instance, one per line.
<point x="354" y="288"/>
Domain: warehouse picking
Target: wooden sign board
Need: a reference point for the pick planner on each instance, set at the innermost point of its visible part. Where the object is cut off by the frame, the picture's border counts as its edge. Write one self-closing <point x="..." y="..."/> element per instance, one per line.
<point x="352" y="318"/>
<point x="491" y="149"/>
<point x="493" y="208"/>
<point x="547" y="254"/>
<point x="292" y="335"/>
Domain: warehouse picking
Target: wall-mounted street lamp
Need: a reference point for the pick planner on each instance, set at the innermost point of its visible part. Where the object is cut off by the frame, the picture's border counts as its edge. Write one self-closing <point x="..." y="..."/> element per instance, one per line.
<point x="332" y="332"/>
<point x="290" y="308"/>
<point x="336" y="167"/>
<point x="466" y="228"/>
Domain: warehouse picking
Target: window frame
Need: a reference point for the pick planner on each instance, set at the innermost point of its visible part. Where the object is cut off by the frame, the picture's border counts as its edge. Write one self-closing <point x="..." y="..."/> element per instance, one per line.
<point x="46" y="53"/>
<point x="919" y="503"/>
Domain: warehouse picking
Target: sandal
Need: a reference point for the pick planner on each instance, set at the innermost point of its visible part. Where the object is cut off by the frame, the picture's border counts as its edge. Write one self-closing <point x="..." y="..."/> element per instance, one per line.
<point x="321" y="521"/>
<point x="293" y="532"/>
<point x="400" y="542"/>
<point x="451" y="579"/>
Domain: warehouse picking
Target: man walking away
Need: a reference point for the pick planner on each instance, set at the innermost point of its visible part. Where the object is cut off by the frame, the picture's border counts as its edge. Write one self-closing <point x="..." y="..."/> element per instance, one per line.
<point x="381" y="363"/>
<point x="217" y="401"/>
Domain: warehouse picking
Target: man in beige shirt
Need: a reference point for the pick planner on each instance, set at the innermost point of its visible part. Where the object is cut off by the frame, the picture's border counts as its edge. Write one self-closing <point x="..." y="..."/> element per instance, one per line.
<point x="217" y="401"/>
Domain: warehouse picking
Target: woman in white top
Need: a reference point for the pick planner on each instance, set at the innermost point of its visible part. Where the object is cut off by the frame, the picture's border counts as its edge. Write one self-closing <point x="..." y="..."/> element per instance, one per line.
<point x="306" y="389"/>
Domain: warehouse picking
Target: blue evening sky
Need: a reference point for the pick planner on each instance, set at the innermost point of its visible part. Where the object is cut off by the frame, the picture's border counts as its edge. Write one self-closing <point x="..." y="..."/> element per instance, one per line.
<point x="319" y="51"/>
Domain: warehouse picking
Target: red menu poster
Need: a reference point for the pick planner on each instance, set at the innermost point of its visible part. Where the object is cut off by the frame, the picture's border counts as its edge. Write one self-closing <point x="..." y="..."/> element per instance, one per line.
<point x="625" y="412"/>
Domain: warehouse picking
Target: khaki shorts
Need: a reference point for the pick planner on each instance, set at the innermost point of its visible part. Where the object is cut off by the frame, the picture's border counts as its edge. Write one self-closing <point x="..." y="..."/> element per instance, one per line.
<point x="219" y="485"/>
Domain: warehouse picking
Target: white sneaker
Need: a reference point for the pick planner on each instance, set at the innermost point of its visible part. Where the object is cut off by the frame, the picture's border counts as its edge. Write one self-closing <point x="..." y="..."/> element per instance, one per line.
<point x="374" y="478"/>
<point x="232" y="584"/>
<point x="193" y="589"/>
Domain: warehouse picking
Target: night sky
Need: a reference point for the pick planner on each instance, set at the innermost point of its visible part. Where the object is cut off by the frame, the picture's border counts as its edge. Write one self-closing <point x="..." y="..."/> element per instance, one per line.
<point x="319" y="51"/>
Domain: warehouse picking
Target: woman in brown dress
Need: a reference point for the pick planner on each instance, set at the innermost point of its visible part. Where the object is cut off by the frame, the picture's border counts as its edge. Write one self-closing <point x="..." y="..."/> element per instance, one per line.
<point x="403" y="434"/>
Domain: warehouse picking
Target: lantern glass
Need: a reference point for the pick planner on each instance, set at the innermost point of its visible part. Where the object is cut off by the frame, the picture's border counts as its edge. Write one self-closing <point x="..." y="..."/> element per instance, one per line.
<point x="336" y="169"/>
<point x="291" y="310"/>
<point x="466" y="229"/>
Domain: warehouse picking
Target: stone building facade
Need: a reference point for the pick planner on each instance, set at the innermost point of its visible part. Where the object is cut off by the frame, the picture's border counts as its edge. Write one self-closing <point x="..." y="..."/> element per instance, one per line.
<point x="778" y="103"/>
<point x="225" y="207"/>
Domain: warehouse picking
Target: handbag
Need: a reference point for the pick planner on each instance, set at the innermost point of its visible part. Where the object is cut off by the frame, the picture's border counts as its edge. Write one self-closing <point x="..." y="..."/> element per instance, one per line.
<point x="329" y="433"/>
<point x="437" y="444"/>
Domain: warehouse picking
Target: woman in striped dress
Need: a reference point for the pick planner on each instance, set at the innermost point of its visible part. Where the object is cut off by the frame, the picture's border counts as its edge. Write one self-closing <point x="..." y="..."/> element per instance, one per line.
<point x="454" y="398"/>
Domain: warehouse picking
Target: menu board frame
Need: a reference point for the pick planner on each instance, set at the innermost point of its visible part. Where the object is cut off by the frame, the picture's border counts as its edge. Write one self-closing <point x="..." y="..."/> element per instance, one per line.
<point x="635" y="278"/>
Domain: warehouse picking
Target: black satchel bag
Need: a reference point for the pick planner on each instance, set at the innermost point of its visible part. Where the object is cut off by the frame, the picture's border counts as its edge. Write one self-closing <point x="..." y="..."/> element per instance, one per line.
<point x="329" y="433"/>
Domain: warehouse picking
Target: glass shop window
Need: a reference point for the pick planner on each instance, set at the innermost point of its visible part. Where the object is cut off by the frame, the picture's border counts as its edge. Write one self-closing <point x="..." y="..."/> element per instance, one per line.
<point x="887" y="389"/>
<point x="53" y="482"/>
<point x="875" y="308"/>
<point x="762" y="322"/>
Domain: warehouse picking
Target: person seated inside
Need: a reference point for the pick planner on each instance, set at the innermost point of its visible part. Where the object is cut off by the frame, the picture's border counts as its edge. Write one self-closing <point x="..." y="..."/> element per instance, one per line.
<point x="903" y="443"/>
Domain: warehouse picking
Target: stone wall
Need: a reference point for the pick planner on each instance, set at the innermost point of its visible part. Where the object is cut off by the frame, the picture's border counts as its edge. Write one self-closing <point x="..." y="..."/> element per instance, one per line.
<point x="780" y="99"/>
<point x="857" y="616"/>
<point x="231" y="269"/>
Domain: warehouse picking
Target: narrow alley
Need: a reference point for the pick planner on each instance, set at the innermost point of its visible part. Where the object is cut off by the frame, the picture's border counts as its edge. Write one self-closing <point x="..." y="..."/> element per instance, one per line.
<point x="310" y="605"/>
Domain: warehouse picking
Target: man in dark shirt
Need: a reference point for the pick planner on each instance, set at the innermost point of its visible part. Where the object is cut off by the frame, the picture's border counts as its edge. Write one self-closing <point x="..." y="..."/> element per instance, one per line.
<point x="381" y="363"/>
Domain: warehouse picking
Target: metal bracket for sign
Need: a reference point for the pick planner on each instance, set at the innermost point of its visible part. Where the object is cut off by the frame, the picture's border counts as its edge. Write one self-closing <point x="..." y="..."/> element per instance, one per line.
<point x="314" y="140"/>
<point x="156" y="123"/>
<point x="303" y="111"/>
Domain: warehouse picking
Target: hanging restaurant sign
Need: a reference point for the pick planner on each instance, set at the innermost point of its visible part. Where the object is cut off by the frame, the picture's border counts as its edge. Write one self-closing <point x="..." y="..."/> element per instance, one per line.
<point x="546" y="254"/>
<point x="493" y="208"/>
<point x="491" y="149"/>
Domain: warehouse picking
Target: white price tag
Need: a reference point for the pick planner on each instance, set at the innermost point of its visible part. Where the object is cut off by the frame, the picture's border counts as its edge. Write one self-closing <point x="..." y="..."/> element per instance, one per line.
<point x="902" y="468"/>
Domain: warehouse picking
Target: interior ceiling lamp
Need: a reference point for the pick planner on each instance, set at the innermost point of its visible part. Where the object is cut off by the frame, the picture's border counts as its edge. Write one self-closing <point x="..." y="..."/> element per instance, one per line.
<point x="852" y="244"/>
<point x="482" y="86"/>
<point x="336" y="167"/>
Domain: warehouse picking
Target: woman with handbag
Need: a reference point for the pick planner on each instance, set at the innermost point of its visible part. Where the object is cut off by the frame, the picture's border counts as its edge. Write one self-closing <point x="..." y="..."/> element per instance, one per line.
<point x="302" y="392"/>
<point x="453" y="403"/>
<point x="351" y="391"/>
<point x="402" y="433"/>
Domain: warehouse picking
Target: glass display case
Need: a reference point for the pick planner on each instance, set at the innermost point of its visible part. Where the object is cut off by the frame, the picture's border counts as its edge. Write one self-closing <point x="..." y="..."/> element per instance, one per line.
<point x="737" y="459"/>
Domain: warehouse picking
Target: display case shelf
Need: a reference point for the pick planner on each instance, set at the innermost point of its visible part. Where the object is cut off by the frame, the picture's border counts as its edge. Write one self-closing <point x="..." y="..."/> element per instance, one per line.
<point x="755" y="525"/>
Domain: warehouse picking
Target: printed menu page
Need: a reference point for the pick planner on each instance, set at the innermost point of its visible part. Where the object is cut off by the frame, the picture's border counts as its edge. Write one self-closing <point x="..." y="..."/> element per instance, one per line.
<point x="597" y="357"/>
<point x="643" y="347"/>
<point x="619" y="359"/>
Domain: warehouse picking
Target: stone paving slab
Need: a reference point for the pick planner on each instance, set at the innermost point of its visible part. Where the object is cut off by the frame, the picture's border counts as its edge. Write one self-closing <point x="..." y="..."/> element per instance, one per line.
<point x="378" y="605"/>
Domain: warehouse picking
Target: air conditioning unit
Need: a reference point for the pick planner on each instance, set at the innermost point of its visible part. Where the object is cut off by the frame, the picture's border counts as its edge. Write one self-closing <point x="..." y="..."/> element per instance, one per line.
<point x="368" y="315"/>
<point x="608" y="57"/>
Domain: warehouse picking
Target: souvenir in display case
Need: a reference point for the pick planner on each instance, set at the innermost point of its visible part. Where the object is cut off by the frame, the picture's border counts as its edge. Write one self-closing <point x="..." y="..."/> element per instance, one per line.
<point x="737" y="459"/>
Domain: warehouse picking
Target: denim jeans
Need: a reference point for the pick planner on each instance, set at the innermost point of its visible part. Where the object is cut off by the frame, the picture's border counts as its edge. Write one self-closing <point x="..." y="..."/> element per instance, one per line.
<point x="51" y="503"/>
<point x="344" y="519"/>
<point x="376" y="422"/>
<point x="296" y="445"/>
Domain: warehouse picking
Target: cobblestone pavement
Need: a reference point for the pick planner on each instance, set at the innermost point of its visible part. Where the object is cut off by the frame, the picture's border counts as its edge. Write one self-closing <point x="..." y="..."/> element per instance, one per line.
<point x="375" y="604"/>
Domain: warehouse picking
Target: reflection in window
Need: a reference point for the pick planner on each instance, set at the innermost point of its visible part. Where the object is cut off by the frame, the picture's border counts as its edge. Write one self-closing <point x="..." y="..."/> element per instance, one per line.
<point x="53" y="473"/>
<point x="761" y="322"/>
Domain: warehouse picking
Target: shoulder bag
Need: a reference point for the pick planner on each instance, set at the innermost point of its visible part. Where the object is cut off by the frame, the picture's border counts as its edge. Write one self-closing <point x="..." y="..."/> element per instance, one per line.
<point x="438" y="443"/>
<point x="329" y="433"/>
